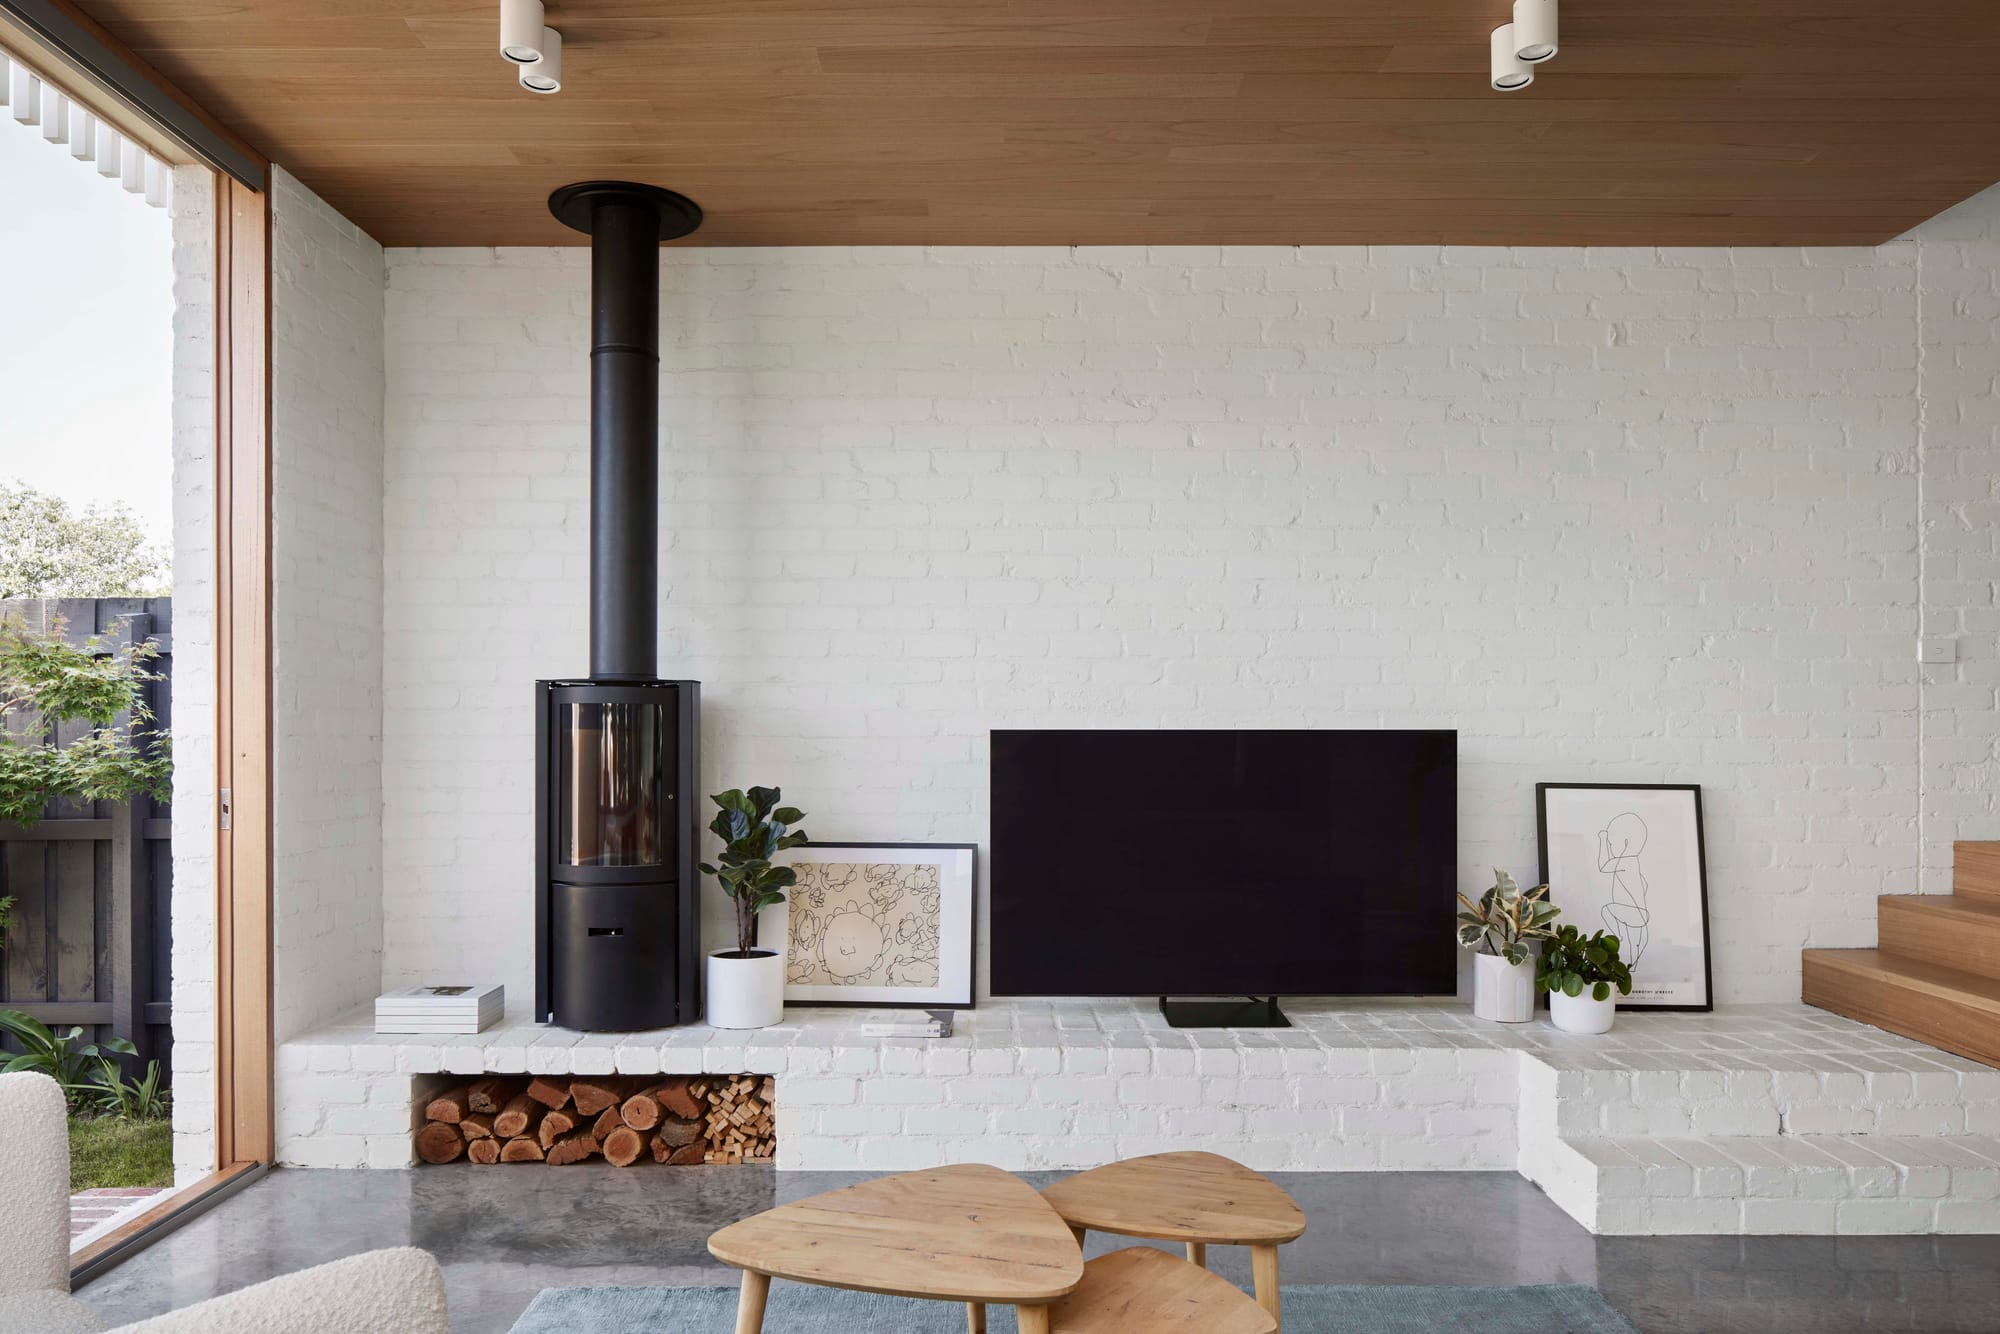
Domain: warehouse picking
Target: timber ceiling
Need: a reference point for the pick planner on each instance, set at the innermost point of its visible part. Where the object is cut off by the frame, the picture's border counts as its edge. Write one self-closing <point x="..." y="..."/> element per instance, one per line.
<point x="1662" y="122"/>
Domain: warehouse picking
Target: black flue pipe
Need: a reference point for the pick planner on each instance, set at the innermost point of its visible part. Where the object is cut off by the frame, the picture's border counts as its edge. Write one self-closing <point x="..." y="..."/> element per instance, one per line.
<point x="624" y="440"/>
<point x="626" y="223"/>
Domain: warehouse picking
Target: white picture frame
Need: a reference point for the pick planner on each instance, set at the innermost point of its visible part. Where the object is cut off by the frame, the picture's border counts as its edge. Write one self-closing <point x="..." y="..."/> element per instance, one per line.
<point x="869" y="935"/>
<point x="1628" y="858"/>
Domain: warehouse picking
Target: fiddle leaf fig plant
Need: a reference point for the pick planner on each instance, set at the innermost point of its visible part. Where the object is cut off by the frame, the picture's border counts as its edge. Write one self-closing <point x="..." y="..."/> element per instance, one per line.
<point x="1506" y="918"/>
<point x="753" y="829"/>
<point x="1572" y="961"/>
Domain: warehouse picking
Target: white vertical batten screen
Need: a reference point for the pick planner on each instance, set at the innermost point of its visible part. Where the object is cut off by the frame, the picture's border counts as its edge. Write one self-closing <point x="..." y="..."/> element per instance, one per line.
<point x="69" y="124"/>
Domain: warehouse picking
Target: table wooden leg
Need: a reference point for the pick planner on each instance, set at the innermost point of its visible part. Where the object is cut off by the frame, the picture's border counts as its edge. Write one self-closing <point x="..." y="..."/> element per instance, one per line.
<point x="1198" y="1253"/>
<point x="975" y="1317"/>
<point x="1264" y="1269"/>
<point x="750" y="1303"/>
<point x="1034" y="1319"/>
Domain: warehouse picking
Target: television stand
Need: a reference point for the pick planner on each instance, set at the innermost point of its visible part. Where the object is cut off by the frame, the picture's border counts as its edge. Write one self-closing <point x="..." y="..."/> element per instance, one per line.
<point x="1250" y="1012"/>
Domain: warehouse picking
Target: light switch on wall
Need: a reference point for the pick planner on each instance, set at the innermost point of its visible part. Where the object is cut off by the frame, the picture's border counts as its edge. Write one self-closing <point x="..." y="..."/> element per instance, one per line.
<point x="1937" y="648"/>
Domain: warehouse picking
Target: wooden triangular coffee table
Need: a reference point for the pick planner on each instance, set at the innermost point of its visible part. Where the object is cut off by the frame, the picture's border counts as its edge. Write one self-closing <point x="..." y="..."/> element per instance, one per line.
<point x="969" y="1234"/>
<point x="1202" y="1199"/>
<point x="1142" y="1289"/>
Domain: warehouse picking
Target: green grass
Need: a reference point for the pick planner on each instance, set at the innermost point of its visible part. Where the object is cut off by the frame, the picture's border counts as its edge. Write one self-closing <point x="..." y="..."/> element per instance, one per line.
<point x="109" y="1151"/>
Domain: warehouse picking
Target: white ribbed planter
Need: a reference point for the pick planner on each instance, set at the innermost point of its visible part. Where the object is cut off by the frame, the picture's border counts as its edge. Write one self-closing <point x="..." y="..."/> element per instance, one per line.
<point x="746" y="993"/>
<point x="1501" y="991"/>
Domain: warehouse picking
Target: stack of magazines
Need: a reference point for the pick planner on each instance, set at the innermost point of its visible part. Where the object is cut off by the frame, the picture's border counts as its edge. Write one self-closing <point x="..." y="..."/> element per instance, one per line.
<point x="445" y="1009"/>
<point x="906" y="1024"/>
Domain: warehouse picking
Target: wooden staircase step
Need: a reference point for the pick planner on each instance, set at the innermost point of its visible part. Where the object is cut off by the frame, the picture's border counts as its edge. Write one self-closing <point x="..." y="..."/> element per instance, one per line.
<point x="1946" y="1007"/>
<point x="1944" y="929"/>
<point x="1975" y="870"/>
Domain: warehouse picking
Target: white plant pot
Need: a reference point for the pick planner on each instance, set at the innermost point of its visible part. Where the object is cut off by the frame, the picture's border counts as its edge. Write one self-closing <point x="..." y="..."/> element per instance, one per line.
<point x="1584" y="1013"/>
<point x="1501" y="991"/>
<point x="746" y="993"/>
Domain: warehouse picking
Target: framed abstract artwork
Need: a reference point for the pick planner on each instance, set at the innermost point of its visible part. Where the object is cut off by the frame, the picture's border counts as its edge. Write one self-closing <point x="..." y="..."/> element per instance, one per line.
<point x="1628" y="859"/>
<point x="880" y="924"/>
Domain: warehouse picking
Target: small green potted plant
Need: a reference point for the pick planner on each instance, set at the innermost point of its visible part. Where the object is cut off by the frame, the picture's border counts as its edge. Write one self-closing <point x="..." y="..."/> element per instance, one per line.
<point x="1580" y="972"/>
<point x="746" y="985"/>
<point x="1500" y="927"/>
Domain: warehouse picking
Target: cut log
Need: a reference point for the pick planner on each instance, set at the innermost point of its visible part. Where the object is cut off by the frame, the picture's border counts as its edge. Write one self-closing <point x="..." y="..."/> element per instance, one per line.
<point x="591" y="1096"/>
<point x="555" y="1124"/>
<point x="677" y="1132"/>
<point x="439" y="1142"/>
<point x="561" y="1120"/>
<point x="641" y="1111"/>
<point x="549" y="1092"/>
<point x="488" y="1096"/>
<point x="449" y="1107"/>
<point x="518" y="1117"/>
<point x="623" y="1146"/>
<point x="676" y="1099"/>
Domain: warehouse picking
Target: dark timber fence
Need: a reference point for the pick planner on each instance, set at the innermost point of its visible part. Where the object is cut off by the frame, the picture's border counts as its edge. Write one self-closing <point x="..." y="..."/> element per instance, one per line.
<point x="92" y="882"/>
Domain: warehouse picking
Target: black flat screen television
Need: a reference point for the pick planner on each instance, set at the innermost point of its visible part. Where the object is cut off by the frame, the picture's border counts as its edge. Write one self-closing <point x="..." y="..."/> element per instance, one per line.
<point x="1211" y="863"/>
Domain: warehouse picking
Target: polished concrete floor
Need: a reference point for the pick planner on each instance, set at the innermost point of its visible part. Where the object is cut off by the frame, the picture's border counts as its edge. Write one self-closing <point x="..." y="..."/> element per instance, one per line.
<point x="503" y="1235"/>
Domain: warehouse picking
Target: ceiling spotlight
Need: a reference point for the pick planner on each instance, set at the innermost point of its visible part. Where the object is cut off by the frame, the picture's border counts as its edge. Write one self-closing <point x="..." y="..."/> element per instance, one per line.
<point x="545" y="75"/>
<point x="1510" y="72"/>
<point x="521" y="30"/>
<point x="1534" y="30"/>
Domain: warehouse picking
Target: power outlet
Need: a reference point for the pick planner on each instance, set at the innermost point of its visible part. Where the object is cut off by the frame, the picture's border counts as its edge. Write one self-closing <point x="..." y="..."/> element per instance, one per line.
<point x="1937" y="649"/>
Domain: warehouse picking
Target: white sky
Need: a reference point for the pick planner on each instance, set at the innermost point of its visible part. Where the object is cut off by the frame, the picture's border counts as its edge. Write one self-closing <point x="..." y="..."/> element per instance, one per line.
<point x="86" y="333"/>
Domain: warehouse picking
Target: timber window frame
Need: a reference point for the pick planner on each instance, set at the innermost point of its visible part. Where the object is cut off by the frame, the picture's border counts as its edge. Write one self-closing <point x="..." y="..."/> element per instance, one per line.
<point x="92" y="68"/>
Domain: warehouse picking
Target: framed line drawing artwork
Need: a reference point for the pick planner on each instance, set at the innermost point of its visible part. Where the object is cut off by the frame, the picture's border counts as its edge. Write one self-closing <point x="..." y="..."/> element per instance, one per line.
<point x="1628" y="859"/>
<point x="880" y="924"/>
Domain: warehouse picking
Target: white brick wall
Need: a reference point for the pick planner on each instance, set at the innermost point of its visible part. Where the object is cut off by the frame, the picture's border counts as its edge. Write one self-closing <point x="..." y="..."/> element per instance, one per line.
<point x="326" y="621"/>
<point x="193" y="911"/>
<point x="1958" y="266"/>
<point x="1615" y="514"/>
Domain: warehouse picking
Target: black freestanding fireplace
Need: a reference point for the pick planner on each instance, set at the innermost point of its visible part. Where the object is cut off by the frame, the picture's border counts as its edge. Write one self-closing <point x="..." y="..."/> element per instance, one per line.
<point x="617" y="915"/>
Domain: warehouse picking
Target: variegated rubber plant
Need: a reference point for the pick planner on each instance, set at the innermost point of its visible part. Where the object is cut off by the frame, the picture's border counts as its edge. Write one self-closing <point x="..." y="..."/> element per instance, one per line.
<point x="1506" y="918"/>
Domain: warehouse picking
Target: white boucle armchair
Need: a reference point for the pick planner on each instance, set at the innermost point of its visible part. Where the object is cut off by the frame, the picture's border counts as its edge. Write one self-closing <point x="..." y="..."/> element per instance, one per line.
<point x="394" y="1292"/>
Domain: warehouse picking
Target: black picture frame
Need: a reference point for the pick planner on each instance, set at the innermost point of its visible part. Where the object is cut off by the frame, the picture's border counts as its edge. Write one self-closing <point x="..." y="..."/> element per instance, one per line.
<point x="1701" y="870"/>
<point x="971" y="1001"/>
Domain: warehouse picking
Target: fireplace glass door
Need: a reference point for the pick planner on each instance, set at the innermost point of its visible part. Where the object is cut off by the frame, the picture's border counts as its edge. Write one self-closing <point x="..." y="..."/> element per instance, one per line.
<point x="613" y="774"/>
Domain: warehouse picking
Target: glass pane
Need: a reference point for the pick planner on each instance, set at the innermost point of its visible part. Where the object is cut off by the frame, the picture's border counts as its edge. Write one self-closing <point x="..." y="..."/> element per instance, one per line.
<point x="613" y="760"/>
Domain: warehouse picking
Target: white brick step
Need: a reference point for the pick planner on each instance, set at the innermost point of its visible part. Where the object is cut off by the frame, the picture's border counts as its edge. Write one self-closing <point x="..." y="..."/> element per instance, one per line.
<point x="1777" y="1101"/>
<point x="1817" y="1184"/>
<point x="1800" y="1100"/>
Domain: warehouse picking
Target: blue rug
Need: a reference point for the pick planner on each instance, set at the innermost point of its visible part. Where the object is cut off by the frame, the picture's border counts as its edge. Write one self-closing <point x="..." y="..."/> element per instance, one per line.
<point x="798" y="1309"/>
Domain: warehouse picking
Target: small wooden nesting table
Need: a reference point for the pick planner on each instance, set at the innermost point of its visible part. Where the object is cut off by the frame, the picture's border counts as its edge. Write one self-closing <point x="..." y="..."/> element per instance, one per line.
<point x="1146" y="1291"/>
<point x="970" y="1234"/>
<point x="1202" y="1199"/>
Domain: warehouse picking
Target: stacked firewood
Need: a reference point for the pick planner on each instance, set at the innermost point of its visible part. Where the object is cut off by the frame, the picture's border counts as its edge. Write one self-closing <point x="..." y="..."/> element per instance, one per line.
<point x="560" y="1120"/>
<point x="739" y="1127"/>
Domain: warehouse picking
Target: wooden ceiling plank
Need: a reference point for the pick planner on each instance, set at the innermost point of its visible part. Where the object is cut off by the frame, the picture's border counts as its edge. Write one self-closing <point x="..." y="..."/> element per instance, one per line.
<point x="1117" y="121"/>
